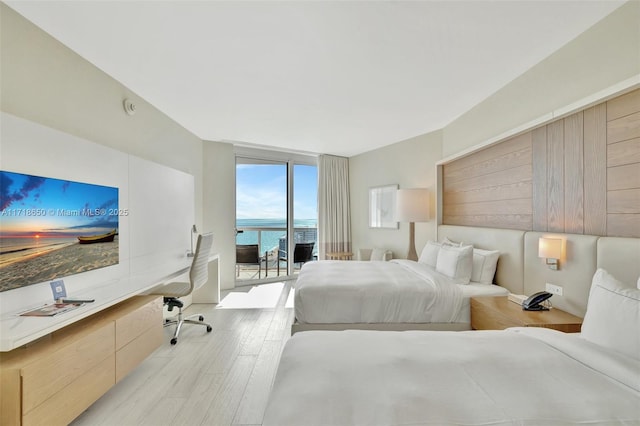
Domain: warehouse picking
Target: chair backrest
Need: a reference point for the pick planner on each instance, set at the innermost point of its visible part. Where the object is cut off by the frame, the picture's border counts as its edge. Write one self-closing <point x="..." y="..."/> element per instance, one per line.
<point x="199" y="273"/>
<point x="303" y="252"/>
<point x="247" y="253"/>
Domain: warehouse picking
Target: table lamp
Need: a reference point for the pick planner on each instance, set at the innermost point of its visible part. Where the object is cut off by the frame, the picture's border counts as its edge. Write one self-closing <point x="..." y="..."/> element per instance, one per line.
<point x="412" y="205"/>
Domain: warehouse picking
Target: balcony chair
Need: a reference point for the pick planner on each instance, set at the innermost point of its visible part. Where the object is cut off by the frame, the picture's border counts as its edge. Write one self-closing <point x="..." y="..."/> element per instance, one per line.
<point x="249" y="254"/>
<point x="198" y="275"/>
<point x="302" y="253"/>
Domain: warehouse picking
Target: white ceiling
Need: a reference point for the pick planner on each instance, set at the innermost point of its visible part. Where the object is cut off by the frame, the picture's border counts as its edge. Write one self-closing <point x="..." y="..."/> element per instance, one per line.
<point x="338" y="77"/>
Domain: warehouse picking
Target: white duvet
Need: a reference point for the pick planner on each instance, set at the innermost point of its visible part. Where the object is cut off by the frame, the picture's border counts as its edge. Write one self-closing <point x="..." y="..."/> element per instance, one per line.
<point x="520" y="376"/>
<point x="399" y="291"/>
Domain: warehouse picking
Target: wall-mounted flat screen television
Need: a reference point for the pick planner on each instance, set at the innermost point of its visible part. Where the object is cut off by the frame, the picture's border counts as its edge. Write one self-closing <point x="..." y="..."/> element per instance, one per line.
<point x="52" y="228"/>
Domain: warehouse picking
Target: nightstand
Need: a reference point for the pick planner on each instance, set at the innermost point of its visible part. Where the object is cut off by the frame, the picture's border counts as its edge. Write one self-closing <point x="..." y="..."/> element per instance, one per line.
<point x="498" y="313"/>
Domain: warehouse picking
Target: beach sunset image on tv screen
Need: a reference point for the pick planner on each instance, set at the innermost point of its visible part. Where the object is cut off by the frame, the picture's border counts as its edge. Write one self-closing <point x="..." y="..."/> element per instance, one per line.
<point x="52" y="228"/>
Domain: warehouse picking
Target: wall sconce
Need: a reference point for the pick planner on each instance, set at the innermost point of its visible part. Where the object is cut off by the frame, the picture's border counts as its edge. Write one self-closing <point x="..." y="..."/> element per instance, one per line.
<point x="194" y="230"/>
<point x="551" y="249"/>
<point x="412" y="206"/>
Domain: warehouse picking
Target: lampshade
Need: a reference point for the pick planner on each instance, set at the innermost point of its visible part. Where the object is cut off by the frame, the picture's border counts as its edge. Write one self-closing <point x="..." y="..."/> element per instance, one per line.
<point x="412" y="205"/>
<point x="550" y="248"/>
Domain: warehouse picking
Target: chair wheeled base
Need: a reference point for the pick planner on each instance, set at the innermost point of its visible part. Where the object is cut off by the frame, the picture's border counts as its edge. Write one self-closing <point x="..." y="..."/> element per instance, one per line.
<point x="173" y="302"/>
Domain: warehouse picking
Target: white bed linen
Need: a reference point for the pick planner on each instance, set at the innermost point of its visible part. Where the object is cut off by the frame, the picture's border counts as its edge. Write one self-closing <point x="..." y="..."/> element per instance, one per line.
<point x="523" y="376"/>
<point x="474" y="289"/>
<point x="398" y="291"/>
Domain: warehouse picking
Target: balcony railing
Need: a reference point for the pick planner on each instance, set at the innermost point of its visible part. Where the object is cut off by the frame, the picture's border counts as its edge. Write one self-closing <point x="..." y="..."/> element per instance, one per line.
<point x="272" y="243"/>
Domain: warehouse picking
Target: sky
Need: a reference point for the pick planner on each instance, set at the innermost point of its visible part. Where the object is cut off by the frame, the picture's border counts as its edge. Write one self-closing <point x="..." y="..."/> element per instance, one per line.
<point x="261" y="191"/>
<point x="47" y="207"/>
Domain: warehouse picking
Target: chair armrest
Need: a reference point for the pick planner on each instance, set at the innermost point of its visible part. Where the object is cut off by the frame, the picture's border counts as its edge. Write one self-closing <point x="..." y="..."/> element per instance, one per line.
<point x="364" y="254"/>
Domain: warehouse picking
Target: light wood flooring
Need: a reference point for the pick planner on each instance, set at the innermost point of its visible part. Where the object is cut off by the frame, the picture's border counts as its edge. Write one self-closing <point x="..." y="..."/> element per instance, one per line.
<point x="220" y="378"/>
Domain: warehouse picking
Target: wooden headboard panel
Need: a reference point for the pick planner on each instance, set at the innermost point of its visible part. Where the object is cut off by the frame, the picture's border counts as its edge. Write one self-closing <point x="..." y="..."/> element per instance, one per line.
<point x="509" y="242"/>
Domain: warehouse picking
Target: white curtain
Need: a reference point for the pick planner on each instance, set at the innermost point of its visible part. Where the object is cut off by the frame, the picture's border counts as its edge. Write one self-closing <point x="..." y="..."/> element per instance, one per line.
<point x="334" y="215"/>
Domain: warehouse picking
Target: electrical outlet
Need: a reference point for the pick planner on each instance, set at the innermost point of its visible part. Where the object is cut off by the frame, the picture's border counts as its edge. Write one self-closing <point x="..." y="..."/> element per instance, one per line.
<point x="554" y="289"/>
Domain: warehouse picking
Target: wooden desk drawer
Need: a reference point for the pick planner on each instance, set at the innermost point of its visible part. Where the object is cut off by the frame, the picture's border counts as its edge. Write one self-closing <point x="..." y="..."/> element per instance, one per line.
<point x="69" y="402"/>
<point x="138" y="321"/>
<point x="51" y="373"/>
<point x="130" y="356"/>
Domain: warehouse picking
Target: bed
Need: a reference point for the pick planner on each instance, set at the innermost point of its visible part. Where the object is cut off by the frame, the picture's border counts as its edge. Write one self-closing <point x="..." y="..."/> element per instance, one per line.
<point x="407" y="295"/>
<point x="523" y="376"/>
<point x="395" y="292"/>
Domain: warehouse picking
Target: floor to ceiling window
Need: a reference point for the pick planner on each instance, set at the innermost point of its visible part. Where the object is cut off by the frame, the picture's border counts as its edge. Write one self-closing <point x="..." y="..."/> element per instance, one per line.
<point x="276" y="197"/>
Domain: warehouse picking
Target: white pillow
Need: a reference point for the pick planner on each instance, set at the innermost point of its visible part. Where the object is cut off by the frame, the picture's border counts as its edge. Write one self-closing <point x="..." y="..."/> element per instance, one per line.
<point x="613" y="315"/>
<point x="484" y="265"/>
<point x="453" y="243"/>
<point x="456" y="263"/>
<point x="429" y="253"/>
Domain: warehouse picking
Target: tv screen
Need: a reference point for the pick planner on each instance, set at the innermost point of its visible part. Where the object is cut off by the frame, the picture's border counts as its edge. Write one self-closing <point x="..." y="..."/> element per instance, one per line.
<point x="52" y="228"/>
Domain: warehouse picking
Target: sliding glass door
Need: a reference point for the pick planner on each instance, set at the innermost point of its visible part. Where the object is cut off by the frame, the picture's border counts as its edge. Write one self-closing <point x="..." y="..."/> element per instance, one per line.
<point x="274" y="199"/>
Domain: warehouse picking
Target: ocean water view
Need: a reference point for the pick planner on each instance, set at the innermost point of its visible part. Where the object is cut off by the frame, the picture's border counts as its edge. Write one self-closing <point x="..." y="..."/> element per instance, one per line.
<point x="270" y="239"/>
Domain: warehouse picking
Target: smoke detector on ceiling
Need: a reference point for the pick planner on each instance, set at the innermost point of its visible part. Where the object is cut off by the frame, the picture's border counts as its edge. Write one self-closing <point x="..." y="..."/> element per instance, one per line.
<point x="129" y="107"/>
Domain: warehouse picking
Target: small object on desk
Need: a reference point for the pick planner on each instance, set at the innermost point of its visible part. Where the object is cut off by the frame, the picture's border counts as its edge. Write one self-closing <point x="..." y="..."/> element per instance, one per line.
<point x="77" y="300"/>
<point x="58" y="289"/>
<point x="51" y="310"/>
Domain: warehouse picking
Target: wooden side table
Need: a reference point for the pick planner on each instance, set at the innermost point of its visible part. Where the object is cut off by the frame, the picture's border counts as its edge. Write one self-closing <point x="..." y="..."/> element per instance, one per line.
<point x="498" y="313"/>
<point x="339" y="255"/>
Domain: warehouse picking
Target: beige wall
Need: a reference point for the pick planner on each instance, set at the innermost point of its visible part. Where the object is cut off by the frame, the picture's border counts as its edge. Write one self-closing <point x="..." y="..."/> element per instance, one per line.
<point x="45" y="82"/>
<point x="410" y="164"/>
<point x="603" y="56"/>
<point x="219" y="196"/>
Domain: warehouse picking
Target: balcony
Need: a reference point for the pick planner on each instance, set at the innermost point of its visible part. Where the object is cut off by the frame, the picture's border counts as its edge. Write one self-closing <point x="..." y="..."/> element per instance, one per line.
<point x="272" y="243"/>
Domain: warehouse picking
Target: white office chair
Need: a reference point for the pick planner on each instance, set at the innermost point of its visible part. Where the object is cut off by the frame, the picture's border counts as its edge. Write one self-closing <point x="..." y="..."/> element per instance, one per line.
<point x="198" y="275"/>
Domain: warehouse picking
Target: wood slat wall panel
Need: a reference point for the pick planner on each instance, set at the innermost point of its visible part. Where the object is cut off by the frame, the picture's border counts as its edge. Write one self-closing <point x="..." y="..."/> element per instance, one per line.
<point x="507" y="176"/>
<point x="623" y="165"/>
<point x="623" y="105"/>
<point x="583" y="176"/>
<point x="624" y="128"/>
<point x="496" y="164"/>
<point x="623" y="177"/>
<point x="555" y="176"/>
<point x="509" y="207"/>
<point x="595" y="170"/>
<point x="539" y="149"/>
<point x="623" y="201"/>
<point x="494" y="221"/>
<point x="510" y="145"/>
<point x="501" y="192"/>
<point x="623" y="225"/>
<point x="573" y="174"/>
<point x="621" y="153"/>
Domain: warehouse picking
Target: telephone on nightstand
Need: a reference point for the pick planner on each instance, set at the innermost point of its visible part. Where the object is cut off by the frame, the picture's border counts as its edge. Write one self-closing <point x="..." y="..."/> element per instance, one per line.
<point x="533" y="302"/>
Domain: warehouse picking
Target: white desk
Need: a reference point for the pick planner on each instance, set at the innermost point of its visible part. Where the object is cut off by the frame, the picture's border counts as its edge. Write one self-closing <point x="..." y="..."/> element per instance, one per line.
<point x="16" y="330"/>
